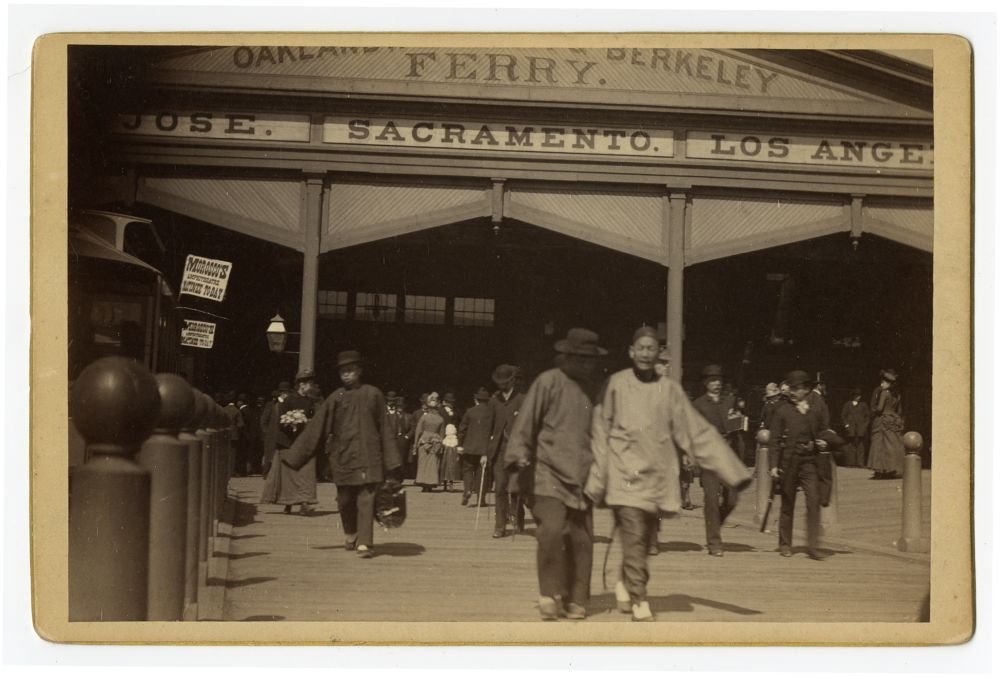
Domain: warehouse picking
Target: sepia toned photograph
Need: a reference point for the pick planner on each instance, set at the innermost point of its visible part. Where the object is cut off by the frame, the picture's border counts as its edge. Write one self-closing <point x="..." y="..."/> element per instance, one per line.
<point x="360" y="335"/>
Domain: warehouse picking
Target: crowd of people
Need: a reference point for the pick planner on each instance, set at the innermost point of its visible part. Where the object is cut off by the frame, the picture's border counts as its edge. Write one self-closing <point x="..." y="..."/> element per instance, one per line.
<point x="561" y="447"/>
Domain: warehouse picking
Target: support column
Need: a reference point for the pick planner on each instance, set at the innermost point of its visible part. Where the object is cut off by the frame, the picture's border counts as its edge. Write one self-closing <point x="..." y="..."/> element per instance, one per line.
<point x="674" y="237"/>
<point x="312" y="227"/>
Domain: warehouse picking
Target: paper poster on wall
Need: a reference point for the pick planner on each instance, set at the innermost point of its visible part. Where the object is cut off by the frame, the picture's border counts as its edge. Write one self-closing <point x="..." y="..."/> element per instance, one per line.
<point x="206" y="278"/>
<point x="198" y="334"/>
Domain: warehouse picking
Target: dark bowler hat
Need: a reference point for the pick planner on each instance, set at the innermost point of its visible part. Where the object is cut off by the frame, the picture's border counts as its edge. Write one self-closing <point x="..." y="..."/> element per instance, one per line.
<point x="482" y="394"/>
<point x="797" y="378"/>
<point x="345" y="358"/>
<point x="284" y="386"/>
<point x="711" y="372"/>
<point x="449" y="397"/>
<point x="503" y="374"/>
<point x="305" y="374"/>
<point x="889" y="375"/>
<point x="580" y="341"/>
<point x="391" y="395"/>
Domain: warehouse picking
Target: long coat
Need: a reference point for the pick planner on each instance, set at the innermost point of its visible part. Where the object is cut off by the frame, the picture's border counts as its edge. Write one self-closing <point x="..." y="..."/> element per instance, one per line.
<point x="552" y="431"/>
<point x="855" y="418"/>
<point x="428" y="448"/>
<point x="286" y="483"/>
<point x="475" y="429"/>
<point x="351" y="425"/>
<point x="638" y="428"/>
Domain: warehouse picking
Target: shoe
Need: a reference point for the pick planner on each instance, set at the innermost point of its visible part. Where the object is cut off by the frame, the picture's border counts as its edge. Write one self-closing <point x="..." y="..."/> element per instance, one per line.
<point x="305" y="510"/>
<point x="715" y="552"/>
<point x="548" y="608"/>
<point x="622" y="598"/>
<point x="351" y="544"/>
<point x="288" y="508"/>
<point x="688" y="506"/>
<point x="653" y="550"/>
<point x="786" y="551"/>
<point x="815" y="555"/>
<point x="366" y="551"/>
<point x="465" y="499"/>
<point x="642" y="613"/>
<point x="574" y="611"/>
<point x="499" y="533"/>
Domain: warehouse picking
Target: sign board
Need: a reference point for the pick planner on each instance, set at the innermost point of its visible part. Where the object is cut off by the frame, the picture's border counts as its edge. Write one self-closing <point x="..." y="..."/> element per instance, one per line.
<point x="206" y="278"/>
<point x="493" y="136"/>
<point x="809" y="150"/>
<point x="198" y="334"/>
<point x="215" y="125"/>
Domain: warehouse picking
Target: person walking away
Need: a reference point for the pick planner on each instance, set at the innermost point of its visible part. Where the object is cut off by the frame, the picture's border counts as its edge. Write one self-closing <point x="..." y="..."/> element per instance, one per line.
<point x="253" y="434"/>
<point x="886" y="451"/>
<point x="506" y="404"/>
<point x="474" y="443"/>
<point x="641" y="423"/>
<point x="855" y="416"/>
<point x="397" y="421"/>
<point x="715" y="407"/>
<point x="287" y="483"/>
<point x="427" y="444"/>
<point x="796" y="448"/>
<point x="549" y="442"/>
<point x="350" y="427"/>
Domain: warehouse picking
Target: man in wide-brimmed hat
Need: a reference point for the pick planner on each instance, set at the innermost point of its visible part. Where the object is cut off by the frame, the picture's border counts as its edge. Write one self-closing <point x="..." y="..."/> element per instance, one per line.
<point x="505" y="403"/>
<point x="351" y="425"/>
<point x="716" y="407"/>
<point x="796" y="446"/>
<point x="474" y="443"/>
<point x="550" y="444"/>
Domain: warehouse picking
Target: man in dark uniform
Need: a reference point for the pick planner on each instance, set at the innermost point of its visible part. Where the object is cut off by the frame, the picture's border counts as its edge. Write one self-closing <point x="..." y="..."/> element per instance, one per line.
<point x="795" y="430"/>
<point x="351" y="424"/>
<point x="719" y="501"/>
<point x="506" y="403"/>
<point x="474" y="443"/>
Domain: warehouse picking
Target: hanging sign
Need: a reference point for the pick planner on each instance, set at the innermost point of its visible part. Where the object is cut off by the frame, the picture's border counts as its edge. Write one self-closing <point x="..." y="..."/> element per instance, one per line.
<point x="206" y="278"/>
<point x="198" y="334"/>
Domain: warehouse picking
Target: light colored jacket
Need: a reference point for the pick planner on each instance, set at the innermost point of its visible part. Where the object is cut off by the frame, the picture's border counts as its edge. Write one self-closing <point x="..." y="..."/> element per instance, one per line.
<point x="638" y="430"/>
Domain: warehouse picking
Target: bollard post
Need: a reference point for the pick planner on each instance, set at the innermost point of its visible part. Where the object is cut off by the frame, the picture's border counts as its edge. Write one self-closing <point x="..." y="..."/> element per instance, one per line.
<point x="221" y="454"/>
<point x="166" y="459"/>
<point x="829" y="524"/>
<point x="193" y="525"/>
<point x="763" y="473"/>
<point x="912" y="539"/>
<point x="114" y="403"/>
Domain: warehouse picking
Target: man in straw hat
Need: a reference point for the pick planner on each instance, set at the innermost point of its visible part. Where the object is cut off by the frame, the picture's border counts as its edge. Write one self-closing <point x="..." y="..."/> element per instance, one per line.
<point x="642" y="421"/>
<point x="362" y="449"/>
<point x="715" y="406"/>
<point x="796" y="445"/>
<point x="506" y="403"/>
<point x="550" y="444"/>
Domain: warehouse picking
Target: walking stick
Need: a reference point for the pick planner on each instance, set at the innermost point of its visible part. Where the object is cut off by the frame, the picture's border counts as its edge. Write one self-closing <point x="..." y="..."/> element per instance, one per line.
<point x="770" y="502"/>
<point x="482" y="482"/>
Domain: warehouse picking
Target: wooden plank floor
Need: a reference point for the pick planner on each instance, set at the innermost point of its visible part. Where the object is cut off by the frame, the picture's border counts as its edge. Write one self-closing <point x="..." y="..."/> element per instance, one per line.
<point x="438" y="568"/>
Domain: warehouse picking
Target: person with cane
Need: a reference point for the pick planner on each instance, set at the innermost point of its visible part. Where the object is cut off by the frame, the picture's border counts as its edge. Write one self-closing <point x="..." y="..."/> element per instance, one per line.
<point x="474" y="443"/>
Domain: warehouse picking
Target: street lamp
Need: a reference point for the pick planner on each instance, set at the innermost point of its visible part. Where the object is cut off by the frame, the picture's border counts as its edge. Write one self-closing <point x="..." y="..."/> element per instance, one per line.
<point x="277" y="336"/>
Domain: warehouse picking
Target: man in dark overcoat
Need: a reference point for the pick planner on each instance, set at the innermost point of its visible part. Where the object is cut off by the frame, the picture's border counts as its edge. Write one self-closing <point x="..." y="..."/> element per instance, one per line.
<point x="795" y="439"/>
<point x="855" y="416"/>
<point x="351" y="423"/>
<point x="474" y="441"/>
<point x="506" y="403"/>
<point x="716" y="407"/>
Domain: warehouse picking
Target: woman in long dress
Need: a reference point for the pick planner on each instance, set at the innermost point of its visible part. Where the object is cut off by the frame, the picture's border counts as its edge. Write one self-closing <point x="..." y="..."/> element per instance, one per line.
<point x="285" y="485"/>
<point x="427" y="445"/>
<point x="886" y="452"/>
<point x="451" y="462"/>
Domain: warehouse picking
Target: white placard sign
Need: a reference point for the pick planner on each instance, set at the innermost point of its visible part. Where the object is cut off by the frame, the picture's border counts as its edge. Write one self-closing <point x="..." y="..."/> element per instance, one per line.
<point x="198" y="334"/>
<point x="206" y="278"/>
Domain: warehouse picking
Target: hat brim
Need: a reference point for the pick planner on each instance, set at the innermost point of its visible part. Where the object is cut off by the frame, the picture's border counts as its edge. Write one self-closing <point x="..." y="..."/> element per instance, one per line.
<point x="564" y="346"/>
<point x="348" y="362"/>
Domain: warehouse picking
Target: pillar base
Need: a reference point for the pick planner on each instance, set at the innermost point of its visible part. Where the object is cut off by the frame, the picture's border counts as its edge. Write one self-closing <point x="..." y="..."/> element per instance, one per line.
<point x="913" y="545"/>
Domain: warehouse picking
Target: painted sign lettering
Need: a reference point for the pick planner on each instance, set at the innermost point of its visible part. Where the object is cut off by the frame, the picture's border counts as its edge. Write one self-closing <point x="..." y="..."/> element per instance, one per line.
<point x="782" y="148"/>
<point x="198" y="334"/>
<point x="215" y="125"/>
<point x="206" y="278"/>
<point x="491" y="136"/>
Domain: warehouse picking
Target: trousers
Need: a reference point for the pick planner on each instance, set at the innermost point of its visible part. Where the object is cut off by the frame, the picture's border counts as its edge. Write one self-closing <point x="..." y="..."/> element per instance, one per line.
<point x="565" y="549"/>
<point x="504" y="498"/>
<point x="800" y="470"/>
<point x="635" y="528"/>
<point x="357" y="511"/>
<point x="719" y="503"/>
<point x="472" y="473"/>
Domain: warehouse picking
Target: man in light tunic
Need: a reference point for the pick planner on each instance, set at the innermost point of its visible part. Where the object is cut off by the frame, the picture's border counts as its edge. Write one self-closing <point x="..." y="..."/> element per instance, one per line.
<point x="640" y="421"/>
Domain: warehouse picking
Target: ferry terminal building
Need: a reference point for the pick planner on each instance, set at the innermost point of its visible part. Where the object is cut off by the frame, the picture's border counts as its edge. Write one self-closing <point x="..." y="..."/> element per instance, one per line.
<point x="445" y="210"/>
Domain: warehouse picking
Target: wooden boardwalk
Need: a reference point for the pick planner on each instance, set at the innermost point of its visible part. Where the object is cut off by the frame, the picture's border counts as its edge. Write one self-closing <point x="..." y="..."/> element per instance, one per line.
<point x="438" y="568"/>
